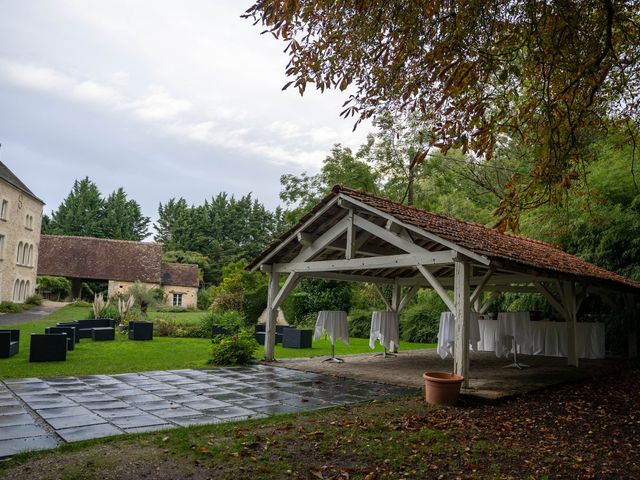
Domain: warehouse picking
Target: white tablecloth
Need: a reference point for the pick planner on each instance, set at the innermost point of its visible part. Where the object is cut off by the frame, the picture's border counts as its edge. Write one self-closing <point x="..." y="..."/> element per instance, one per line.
<point x="513" y="325"/>
<point x="384" y="327"/>
<point x="549" y="339"/>
<point x="446" y="333"/>
<point x="334" y="322"/>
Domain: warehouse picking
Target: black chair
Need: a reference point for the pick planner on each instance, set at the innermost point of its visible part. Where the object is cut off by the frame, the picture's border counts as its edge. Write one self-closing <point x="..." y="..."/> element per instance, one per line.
<point x="71" y="334"/>
<point x="140" y="330"/>
<point x="216" y="330"/>
<point x="103" y="333"/>
<point x="9" y="343"/>
<point x="48" y="347"/>
<point x="294" y="338"/>
<point x="74" y="325"/>
<point x="85" y="327"/>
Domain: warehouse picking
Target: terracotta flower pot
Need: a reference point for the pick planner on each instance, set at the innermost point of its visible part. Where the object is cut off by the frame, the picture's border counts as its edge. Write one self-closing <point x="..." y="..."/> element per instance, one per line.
<point x="442" y="388"/>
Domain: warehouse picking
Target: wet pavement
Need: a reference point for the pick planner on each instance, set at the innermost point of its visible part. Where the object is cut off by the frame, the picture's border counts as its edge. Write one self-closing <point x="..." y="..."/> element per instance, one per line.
<point x="38" y="414"/>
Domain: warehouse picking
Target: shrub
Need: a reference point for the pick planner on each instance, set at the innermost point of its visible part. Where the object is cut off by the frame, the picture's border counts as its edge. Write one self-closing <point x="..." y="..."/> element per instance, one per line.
<point x="172" y="328"/>
<point x="236" y="349"/>
<point x="205" y="297"/>
<point x="255" y="301"/>
<point x="172" y="309"/>
<point x="420" y="321"/>
<point x="230" y="320"/>
<point x="34" y="300"/>
<point x="359" y="323"/>
<point x="145" y="297"/>
<point x="109" y="311"/>
<point x="59" y="286"/>
<point x="158" y="294"/>
<point x="10" y="307"/>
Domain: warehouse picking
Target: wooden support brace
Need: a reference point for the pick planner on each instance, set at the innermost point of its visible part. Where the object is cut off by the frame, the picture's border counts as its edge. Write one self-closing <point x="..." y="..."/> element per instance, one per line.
<point x="435" y="284"/>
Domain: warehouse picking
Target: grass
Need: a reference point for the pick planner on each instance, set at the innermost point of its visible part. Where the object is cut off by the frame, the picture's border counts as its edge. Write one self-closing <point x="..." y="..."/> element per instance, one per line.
<point x="123" y="355"/>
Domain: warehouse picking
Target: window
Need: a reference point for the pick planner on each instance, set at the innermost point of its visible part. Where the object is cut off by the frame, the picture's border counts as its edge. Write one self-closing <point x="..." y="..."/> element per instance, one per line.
<point x="20" y="253"/>
<point x="177" y="299"/>
<point x="1" y="246"/>
<point x="27" y="290"/>
<point x="28" y="222"/>
<point x="30" y="260"/>
<point x="4" y="210"/>
<point x="16" y="290"/>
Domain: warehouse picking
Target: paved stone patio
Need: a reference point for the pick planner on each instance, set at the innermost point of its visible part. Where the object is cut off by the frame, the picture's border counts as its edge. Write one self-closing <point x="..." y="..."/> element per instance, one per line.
<point x="37" y="413"/>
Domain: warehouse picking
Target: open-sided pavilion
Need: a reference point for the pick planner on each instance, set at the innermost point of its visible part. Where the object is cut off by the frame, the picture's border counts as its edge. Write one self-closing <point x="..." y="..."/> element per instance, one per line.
<point x="358" y="237"/>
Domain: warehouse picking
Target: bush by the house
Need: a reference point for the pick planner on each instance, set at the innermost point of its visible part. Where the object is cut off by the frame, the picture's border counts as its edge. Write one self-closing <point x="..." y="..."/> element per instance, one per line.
<point x="235" y="349"/>
<point x="10" y="307"/>
<point x="359" y="323"/>
<point x="230" y="320"/>
<point x="60" y="287"/>
<point x="34" y="299"/>
<point x="173" y="328"/>
<point x="419" y="322"/>
<point x="109" y="311"/>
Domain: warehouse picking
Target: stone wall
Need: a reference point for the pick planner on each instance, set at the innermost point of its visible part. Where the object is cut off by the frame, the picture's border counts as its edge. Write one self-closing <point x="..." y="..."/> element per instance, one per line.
<point x="20" y="222"/>
<point x="189" y="294"/>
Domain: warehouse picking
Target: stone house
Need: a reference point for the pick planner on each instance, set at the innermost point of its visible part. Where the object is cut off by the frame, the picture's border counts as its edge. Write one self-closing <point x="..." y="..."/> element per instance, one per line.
<point x="119" y="262"/>
<point x="20" y="220"/>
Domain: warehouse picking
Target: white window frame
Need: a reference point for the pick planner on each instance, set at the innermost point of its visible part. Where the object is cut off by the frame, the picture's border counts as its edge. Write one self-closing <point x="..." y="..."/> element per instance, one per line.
<point x="4" y="209"/>
<point x="177" y="299"/>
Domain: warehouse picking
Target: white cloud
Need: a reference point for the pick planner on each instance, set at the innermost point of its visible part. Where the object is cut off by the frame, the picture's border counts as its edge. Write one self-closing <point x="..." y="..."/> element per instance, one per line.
<point x="159" y="105"/>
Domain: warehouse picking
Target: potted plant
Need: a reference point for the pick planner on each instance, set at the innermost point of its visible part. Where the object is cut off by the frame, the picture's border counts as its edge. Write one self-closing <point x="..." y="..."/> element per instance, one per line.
<point x="442" y="388"/>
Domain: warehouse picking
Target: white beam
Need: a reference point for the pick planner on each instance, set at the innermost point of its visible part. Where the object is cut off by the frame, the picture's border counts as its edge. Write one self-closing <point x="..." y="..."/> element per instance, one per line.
<point x="305" y="239"/>
<point x="435" y="284"/>
<point x="462" y="312"/>
<point x="381" y="293"/>
<point x="388" y="236"/>
<point x="408" y="297"/>
<point x="322" y="241"/>
<point x="511" y="288"/>
<point x="289" y="284"/>
<point x="548" y="294"/>
<point x="351" y="237"/>
<point x="481" y="284"/>
<point x="369" y="263"/>
<point x="270" y="330"/>
<point x="568" y="291"/>
<point x="345" y="277"/>
<point x="294" y="234"/>
<point x="478" y="258"/>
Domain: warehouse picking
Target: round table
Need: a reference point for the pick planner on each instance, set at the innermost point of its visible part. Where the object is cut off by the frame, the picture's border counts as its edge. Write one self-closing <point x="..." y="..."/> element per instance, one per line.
<point x="334" y="322"/>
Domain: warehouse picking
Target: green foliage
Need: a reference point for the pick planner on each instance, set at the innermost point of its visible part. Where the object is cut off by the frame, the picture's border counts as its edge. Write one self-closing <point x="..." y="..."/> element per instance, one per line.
<point x="172" y="309"/>
<point x="109" y="311"/>
<point x="235" y="349"/>
<point x="85" y="213"/>
<point x="205" y="297"/>
<point x="223" y="229"/>
<point x="255" y="301"/>
<point x="240" y="290"/>
<point x="419" y="322"/>
<point x="313" y="295"/>
<point x="177" y="329"/>
<point x="145" y="297"/>
<point x="181" y="256"/>
<point x="80" y="303"/>
<point x="359" y="323"/>
<point x="34" y="299"/>
<point x="10" y="307"/>
<point x="230" y="320"/>
<point x="59" y="286"/>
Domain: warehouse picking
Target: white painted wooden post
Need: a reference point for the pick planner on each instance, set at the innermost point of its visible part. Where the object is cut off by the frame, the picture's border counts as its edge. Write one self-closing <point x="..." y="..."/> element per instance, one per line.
<point x="570" y="306"/>
<point x="462" y="307"/>
<point x="272" y="313"/>
<point x="396" y="297"/>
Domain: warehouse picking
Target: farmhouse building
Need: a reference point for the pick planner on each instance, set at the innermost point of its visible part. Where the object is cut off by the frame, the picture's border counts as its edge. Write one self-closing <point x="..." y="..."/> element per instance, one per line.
<point x="119" y="262"/>
<point x="20" y="220"/>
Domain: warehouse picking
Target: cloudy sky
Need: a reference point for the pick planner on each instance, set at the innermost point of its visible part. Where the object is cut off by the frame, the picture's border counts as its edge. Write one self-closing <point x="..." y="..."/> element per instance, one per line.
<point x="163" y="98"/>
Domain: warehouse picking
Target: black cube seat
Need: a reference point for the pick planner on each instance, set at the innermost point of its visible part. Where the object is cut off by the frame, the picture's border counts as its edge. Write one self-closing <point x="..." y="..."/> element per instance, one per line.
<point x="48" y="347"/>
<point x="103" y="333"/>
<point x="85" y="327"/>
<point x="261" y="332"/>
<point x="71" y="334"/>
<point x="140" y="330"/>
<point x="294" y="338"/>
<point x="9" y="343"/>
<point x="216" y="330"/>
<point x="73" y="325"/>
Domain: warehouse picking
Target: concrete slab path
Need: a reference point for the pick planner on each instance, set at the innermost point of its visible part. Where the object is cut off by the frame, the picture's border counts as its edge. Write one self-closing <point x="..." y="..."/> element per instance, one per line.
<point x="41" y="413"/>
<point x="34" y="313"/>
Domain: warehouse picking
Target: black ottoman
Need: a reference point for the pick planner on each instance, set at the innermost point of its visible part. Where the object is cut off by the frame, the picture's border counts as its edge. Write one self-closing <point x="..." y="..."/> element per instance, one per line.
<point x="48" y="347"/>
<point x="294" y="338"/>
<point x="70" y="331"/>
<point x="103" y="333"/>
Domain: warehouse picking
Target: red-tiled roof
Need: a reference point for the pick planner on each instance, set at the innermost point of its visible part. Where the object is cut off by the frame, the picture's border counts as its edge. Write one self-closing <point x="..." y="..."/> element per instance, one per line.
<point x="509" y="250"/>
<point x="106" y="259"/>
<point x="182" y="274"/>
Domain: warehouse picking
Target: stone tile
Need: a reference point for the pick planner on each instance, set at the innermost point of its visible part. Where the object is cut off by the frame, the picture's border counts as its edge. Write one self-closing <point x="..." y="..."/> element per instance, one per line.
<point x="16" y="419"/>
<point x="232" y="412"/>
<point x="21" y="431"/>
<point x="228" y="397"/>
<point x="207" y="404"/>
<point x="138" y="421"/>
<point x="200" y="420"/>
<point x="253" y="403"/>
<point x="277" y="395"/>
<point x="119" y="412"/>
<point x="123" y="393"/>
<point x="91" y="397"/>
<point x="106" y="404"/>
<point x="182" y="398"/>
<point x="76" y="434"/>
<point x="156" y="405"/>
<point x="78" y="421"/>
<point x="11" y="409"/>
<point x="143" y="398"/>
<point x="42" y="404"/>
<point x="17" y="445"/>
<point x="20" y="381"/>
<point x="171" y="413"/>
<point x="63" y="412"/>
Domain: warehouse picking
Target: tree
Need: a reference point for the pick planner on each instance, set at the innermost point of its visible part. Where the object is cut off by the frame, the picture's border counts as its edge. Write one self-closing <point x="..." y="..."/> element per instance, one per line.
<point x="80" y="213"/>
<point x="123" y="219"/>
<point x="545" y="74"/>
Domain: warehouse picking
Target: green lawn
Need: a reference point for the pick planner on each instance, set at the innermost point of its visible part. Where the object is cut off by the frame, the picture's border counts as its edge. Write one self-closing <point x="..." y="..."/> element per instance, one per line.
<point x="123" y="355"/>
